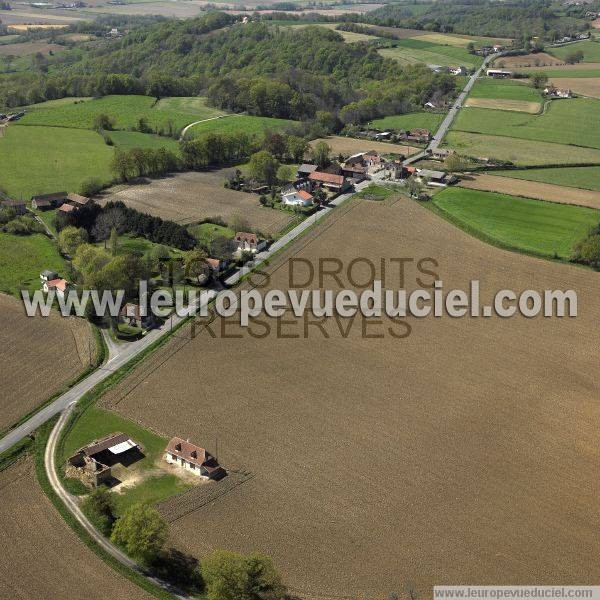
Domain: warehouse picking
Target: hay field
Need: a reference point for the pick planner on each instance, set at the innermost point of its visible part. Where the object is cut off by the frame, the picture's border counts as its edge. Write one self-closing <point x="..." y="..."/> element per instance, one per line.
<point x="498" y="104"/>
<point x="532" y="189"/>
<point x="64" y="566"/>
<point x="191" y="197"/>
<point x="586" y="86"/>
<point x="520" y="151"/>
<point x="437" y="458"/>
<point x="27" y="48"/>
<point x="528" y="60"/>
<point x="38" y="356"/>
<point x="348" y="146"/>
<point x="577" y="70"/>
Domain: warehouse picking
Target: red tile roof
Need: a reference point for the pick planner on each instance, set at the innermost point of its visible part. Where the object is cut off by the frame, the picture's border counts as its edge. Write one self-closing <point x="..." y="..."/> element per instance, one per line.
<point x="59" y="284"/>
<point x="305" y="195"/>
<point x="243" y="236"/>
<point x="67" y="208"/>
<point x="193" y="454"/>
<point x="326" y="178"/>
<point x="77" y="198"/>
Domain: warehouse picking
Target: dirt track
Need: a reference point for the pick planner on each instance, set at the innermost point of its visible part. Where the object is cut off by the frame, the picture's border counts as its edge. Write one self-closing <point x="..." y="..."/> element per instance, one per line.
<point x="532" y="189"/>
<point x="191" y="197"/>
<point x="38" y="356"/>
<point x="43" y="558"/>
<point x="464" y="453"/>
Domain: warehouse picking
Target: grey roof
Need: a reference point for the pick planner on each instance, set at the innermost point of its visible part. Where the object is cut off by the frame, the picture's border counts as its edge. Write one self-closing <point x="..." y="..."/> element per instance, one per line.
<point x="50" y="197"/>
<point x="49" y="274"/>
<point x="306" y="168"/>
<point x="432" y="174"/>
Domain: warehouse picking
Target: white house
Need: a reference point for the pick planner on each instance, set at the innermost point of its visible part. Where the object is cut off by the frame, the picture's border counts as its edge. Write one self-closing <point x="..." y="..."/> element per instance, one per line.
<point x="294" y="197"/>
<point x="60" y="285"/>
<point x="192" y="458"/>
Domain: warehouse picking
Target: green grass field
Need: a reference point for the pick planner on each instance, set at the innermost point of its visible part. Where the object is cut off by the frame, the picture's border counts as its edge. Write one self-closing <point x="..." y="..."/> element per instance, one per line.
<point x="502" y="89"/>
<point x="23" y="258"/>
<point x="375" y="192"/>
<point x="37" y="160"/>
<point x="575" y="122"/>
<point x="519" y="151"/>
<point x="425" y="120"/>
<point x="125" y="140"/>
<point x="590" y="49"/>
<point x="205" y="233"/>
<point x="249" y="124"/>
<point x="125" y="110"/>
<point x="411" y="51"/>
<point x="587" y="178"/>
<point x="533" y="226"/>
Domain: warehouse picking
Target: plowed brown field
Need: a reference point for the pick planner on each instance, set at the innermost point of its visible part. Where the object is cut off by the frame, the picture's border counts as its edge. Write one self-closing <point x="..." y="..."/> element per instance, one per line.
<point x="532" y="189"/>
<point x="529" y="60"/>
<point x="466" y="452"/>
<point x="586" y="86"/>
<point x="38" y="356"/>
<point x="43" y="558"/>
<point x="498" y="104"/>
<point x="347" y="146"/>
<point x="191" y="197"/>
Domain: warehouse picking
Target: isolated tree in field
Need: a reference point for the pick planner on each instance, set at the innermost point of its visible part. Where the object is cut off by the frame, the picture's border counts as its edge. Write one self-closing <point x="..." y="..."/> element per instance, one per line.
<point x="414" y="187"/>
<point x="110" y="219"/>
<point x="113" y="242"/>
<point x="103" y="121"/>
<point x="99" y="507"/>
<point x="263" y="167"/>
<point x="588" y="252"/>
<point x="123" y="165"/>
<point x="539" y="80"/>
<point x="70" y="238"/>
<point x="141" y="532"/>
<point x="574" y="57"/>
<point x="231" y="576"/>
<point x="320" y="154"/>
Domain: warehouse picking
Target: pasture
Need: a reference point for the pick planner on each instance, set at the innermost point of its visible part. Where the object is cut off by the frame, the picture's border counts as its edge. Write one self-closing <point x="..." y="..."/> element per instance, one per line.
<point x="235" y="123"/>
<point x="205" y="233"/>
<point x="532" y="189"/>
<point x="188" y="198"/>
<point x="125" y="140"/>
<point x="39" y="160"/>
<point x="522" y="152"/>
<point x="39" y="355"/>
<point x="63" y="561"/>
<point x="125" y="110"/>
<point x="28" y="48"/>
<point x="412" y="51"/>
<point x="587" y="178"/>
<point x="575" y="122"/>
<point x="504" y="89"/>
<point x="347" y="146"/>
<point x="35" y="253"/>
<point x="483" y="443"/>
<point x="513" y="105"/>
<point x="542" y="228"/>
<point x="426" y="120"/>
<point x="590" y="49"/>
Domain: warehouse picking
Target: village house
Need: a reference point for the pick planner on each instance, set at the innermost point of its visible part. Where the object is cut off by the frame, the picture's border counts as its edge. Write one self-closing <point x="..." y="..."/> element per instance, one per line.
<point x="48" y="201"/>
<point x="68" y="208"/>
<point x="249" y="242"/>
<point x="418" y="135"/>
<point x="51" y="281"/>
<point x="459" y="70"/>
<point x="133" y="315"/>
<point x="195" y="459"/>
<point x="357" y="172"/>
<point x="94" y="461"/>
<point x="294" y="197"/>
<point x="554" y="92"/>
<point x="216" y="265"/>
<point x="330" y="181"/>
<point x="18" y="206"/>
<point x="76" y="199"/>
<point x="441" y="153"/>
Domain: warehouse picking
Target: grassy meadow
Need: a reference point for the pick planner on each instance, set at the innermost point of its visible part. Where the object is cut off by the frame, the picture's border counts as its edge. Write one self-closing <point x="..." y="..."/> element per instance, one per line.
<point x="503" y="89"/>
<point x="35" y="253"/>
<point x="522" y="152"/>
<point x="587" y="178"/>
<point x="125" y="140"/>
<point x="425" y="120"/>
<point x="411" y="51"/>
<point x="205" y="233"/>
<point x="575" y="122"/>
<point x="38" y="160"/>
<point x="247" y="123"/>
<point x="125" y="110"/>
<point x="590" y="49"/>
<point x="533" y="226"/>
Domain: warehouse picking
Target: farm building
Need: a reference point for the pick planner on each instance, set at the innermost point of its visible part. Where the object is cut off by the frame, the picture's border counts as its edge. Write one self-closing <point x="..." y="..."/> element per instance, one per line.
<point x="498" y="73"/>
<point x="217" y="266"/>
<point x="441" y="153"/>
<point x="554" y="92"/>
<point x="61" y="286"/>
<point x="436" y="178"/>
<point x="17" y="205"/>
<point x="335" y="183"/>
<point x="76" y="199"/>
<point x="305" y="170"/>
<point x="418" y="134"/>
<point x="249" y="242"/>
<point x="459" y="70"/>
<point x="68" y="208"/>
<point x="94" y="461"/>
<point x="195" y="459"/>
<point x="49" y="201"/>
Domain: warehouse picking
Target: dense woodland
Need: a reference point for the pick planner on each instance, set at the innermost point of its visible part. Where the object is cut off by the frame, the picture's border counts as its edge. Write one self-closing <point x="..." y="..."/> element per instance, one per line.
<point x="257" y="67"/>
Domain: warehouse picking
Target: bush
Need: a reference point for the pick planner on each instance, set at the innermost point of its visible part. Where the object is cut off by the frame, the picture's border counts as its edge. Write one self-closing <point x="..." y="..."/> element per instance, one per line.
<point x="588" y="251"/>
<point x="90" y="187"/>
<point x="99" y="508"/>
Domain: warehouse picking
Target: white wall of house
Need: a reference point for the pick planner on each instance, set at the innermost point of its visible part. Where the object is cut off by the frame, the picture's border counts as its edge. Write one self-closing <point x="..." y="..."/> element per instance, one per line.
<point x="183" y="464"/>
<point x="294" y="199"/>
